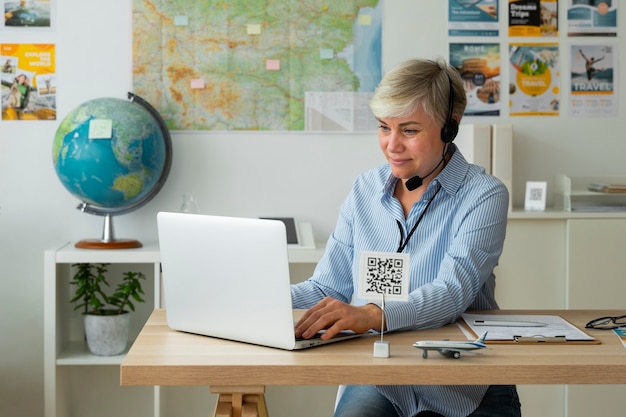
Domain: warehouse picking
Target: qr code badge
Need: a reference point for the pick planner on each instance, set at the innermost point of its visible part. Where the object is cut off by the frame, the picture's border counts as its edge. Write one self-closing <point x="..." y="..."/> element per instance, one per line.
<point x="384" y="273"/>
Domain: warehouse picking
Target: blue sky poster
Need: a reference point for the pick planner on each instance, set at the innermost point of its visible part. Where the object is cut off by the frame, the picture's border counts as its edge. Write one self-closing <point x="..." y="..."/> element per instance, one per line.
<point x="473" y="18"/>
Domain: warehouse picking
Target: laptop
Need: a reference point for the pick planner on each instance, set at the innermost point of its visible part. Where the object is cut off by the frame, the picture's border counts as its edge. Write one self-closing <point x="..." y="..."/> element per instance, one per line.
<point x="228" y="277"/>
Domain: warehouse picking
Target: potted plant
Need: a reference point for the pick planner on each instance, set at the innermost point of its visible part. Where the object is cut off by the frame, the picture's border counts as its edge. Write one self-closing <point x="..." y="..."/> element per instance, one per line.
<point x="106" y="316"/>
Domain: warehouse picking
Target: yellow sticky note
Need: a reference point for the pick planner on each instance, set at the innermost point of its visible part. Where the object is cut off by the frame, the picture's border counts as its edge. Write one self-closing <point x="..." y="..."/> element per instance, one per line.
<point x="272" y="64"/>
<point x="100" y="128"/>
<point x="365" y="19"/>
<point x="254" y="29"/>
<point x="197" y="83"/>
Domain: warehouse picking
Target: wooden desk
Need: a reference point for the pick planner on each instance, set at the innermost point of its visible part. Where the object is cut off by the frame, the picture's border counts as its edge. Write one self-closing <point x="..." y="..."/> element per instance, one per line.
<point x="161" y="356"/>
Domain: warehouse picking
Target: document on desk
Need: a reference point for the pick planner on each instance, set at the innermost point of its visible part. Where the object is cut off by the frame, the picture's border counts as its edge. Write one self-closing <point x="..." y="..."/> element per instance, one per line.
<point x="526" y="328"/>
<point x="621" y="334"/>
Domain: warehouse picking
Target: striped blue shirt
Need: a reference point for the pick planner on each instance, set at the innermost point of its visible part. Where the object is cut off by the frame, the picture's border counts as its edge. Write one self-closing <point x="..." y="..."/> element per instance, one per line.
<point x="453" y="252"/>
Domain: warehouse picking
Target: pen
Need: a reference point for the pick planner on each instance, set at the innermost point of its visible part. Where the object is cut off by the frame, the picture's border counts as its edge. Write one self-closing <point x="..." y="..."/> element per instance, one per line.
<point x="540" y="339"/>
<point x="509" y="323"/>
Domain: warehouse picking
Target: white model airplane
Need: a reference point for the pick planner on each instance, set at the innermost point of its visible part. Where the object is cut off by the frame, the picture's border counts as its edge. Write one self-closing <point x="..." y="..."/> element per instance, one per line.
<point x="451" y="349"/>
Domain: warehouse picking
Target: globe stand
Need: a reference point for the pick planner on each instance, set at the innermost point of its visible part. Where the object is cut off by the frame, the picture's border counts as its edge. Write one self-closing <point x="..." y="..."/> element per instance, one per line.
<point x="108" y="240"/>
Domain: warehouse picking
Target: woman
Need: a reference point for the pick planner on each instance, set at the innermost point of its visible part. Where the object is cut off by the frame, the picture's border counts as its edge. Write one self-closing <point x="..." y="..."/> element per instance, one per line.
<point x="18" y="93"/>
<point x="449" y="216"/>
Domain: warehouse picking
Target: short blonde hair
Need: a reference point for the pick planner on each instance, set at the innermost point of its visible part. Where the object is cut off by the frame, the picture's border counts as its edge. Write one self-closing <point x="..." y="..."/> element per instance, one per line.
<point x="419" y="82"/>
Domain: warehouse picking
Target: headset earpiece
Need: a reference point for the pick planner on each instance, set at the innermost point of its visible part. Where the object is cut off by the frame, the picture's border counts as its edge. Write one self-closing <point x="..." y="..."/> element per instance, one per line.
<point x="450" y="127"/>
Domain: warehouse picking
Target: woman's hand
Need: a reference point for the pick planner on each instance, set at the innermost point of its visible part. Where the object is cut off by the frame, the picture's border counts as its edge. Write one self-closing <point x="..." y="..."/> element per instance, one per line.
<point x="334" y="316"/>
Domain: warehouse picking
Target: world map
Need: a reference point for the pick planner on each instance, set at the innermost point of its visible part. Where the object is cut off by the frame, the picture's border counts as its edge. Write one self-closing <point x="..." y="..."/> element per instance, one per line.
<point x="258" y="65"/>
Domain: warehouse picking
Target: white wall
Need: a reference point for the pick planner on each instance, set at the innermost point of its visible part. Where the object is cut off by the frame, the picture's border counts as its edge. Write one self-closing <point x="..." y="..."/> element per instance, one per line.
<point x="304" y="175"/>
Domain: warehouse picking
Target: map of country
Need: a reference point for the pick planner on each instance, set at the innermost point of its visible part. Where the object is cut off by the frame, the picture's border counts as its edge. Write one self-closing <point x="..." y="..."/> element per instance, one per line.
<point x="248" y="64"/>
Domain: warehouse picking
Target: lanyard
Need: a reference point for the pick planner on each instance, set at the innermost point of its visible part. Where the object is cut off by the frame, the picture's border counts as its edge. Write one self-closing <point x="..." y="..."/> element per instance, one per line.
<point x="403" y="242"/>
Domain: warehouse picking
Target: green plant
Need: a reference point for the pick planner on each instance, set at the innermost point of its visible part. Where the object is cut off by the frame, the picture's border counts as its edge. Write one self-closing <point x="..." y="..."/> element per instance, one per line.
<point x="91" y="297"/>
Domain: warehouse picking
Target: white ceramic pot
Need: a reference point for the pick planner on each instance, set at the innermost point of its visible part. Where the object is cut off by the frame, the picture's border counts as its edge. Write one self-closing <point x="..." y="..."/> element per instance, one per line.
<point x="107" y="335"/>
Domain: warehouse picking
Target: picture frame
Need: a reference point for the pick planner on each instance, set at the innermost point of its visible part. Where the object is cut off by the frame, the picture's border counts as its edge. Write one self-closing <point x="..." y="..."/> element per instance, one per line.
<point x="535" y="199"/>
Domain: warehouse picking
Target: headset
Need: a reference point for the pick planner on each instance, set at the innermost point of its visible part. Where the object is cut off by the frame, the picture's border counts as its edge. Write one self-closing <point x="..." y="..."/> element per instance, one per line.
<point x="450" y="127"/>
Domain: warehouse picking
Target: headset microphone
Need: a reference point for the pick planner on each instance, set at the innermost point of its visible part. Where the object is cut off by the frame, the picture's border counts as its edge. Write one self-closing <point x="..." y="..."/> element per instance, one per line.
<point x="416" y="182"/>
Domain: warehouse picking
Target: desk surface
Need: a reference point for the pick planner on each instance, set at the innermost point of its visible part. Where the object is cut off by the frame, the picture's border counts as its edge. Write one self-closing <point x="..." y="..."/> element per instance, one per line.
<point x="161" y="356"/>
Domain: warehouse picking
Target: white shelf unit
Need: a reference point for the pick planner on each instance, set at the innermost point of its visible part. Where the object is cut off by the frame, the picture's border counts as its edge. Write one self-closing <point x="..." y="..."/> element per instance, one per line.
<point x="75" y="381"/>
<point x="573" y="194"/>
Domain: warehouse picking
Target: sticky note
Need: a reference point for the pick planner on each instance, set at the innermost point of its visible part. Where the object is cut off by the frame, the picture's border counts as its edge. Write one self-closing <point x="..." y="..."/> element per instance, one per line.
<point x="272" y="64"/>
<point x="326" y="53"/>
<point x="365" y="19"/>
<point x="180" y="20"/>
<point x="100" y="128"/>
<point x="254" y="29"/>
<point x="197" y="83"/>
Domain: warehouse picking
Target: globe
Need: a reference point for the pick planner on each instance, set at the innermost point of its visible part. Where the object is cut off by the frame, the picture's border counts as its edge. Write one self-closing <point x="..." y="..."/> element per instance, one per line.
<point x="114" y="155"/>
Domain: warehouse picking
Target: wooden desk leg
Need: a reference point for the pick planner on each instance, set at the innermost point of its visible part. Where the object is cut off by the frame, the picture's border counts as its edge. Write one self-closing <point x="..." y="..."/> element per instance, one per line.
<point x="254" y="406"/>
<point x="240" y="401"/>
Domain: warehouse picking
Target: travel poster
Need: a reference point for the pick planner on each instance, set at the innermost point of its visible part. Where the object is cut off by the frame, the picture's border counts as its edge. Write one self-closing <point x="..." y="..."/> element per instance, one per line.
<point x="27" y="14"/>
<point x="473" y="18"/>
<point x="28" y="76"/>
<point x="593" y="80"/>
<point x="592" y="18"/>
<point x="533" y="18"/>
<point x="479" y="66"/>
<point x="534" y="74"/>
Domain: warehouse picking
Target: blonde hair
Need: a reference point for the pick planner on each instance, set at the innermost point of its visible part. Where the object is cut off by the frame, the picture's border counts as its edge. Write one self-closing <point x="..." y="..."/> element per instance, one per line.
<point x="419" y="82"/>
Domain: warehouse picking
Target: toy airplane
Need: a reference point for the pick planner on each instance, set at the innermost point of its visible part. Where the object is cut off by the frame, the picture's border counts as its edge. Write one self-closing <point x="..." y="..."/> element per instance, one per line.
<point x="451" y="349"/>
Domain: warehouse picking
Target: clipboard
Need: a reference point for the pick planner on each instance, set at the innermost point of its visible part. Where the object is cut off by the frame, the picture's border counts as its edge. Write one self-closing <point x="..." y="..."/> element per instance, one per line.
<point x="556" y="330"/>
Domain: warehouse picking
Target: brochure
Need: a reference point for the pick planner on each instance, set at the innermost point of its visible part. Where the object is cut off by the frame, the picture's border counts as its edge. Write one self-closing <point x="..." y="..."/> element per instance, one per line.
<point x="621" y="333"/>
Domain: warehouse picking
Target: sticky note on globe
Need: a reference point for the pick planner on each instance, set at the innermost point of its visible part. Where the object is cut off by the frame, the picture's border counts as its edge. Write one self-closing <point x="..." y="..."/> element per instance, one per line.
<point x="100" y="128"/>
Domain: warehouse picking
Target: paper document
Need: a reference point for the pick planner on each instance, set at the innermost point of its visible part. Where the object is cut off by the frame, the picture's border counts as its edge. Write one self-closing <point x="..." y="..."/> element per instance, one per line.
<point x="552" y="326"/>
<point x="621" y="333"/>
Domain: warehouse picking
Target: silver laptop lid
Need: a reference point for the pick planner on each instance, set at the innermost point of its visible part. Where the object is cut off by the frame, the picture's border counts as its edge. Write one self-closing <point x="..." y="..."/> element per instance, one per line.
<point x="227" y="277"/>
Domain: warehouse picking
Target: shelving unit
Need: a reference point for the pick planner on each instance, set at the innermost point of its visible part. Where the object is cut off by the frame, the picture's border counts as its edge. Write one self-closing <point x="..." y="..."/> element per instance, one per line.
<point x="573" y="194"/>
<point x="68" y="363"/>
<point x="79" y="383"/>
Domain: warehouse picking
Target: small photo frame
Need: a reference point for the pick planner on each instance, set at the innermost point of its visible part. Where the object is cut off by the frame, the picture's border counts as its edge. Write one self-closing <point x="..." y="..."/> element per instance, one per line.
<point x="535" y="196"/>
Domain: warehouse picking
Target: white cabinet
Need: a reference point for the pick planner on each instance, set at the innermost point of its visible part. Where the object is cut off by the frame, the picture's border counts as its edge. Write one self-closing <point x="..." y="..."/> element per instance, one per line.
<point x="532" y="267"/>
<point x="597" y="264"/>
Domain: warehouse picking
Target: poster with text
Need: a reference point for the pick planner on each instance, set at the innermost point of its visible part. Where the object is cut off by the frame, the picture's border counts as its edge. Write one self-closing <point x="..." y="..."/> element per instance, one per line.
<point x="473" y="18"/>
<point x="533" y="18"/>
<point x="534" y="74"/>
<point x="28" y="14"/>
<point x="28" y="76"/>
<point x="592" y="18"/>
<point x="593" y="80"/>
<point x="479" y="66"/>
